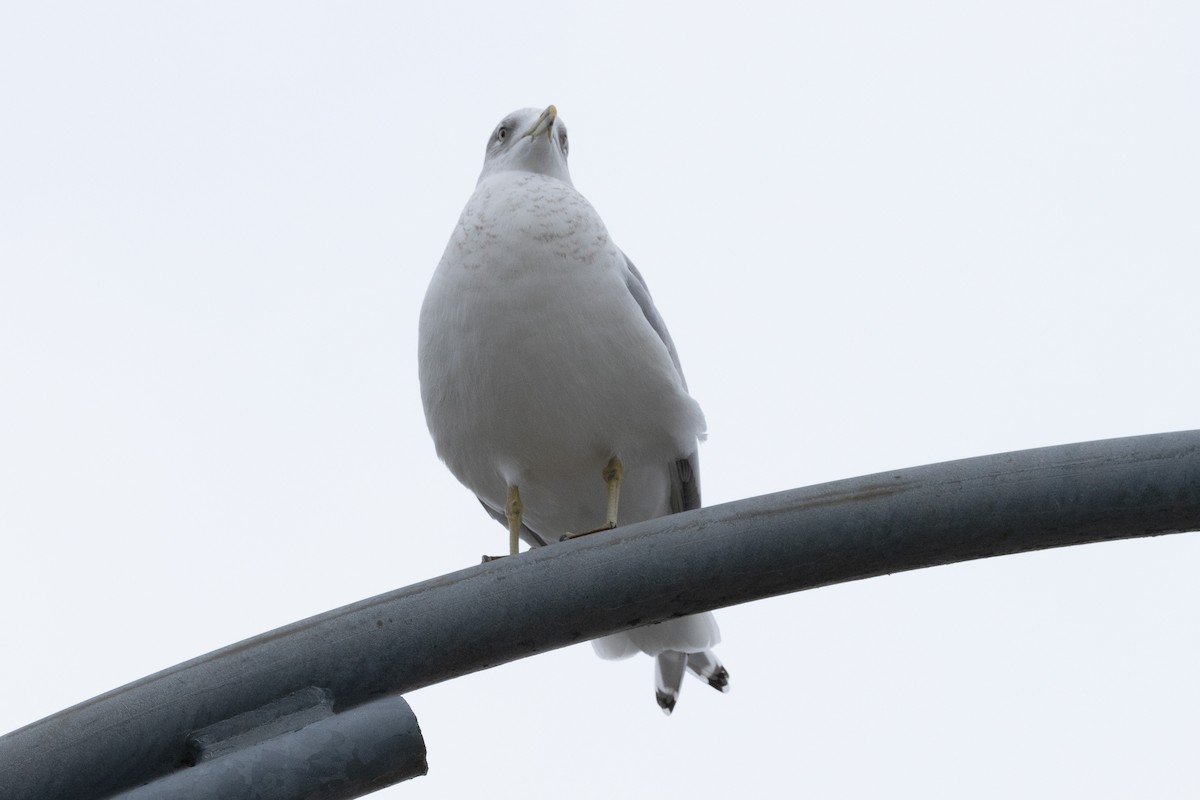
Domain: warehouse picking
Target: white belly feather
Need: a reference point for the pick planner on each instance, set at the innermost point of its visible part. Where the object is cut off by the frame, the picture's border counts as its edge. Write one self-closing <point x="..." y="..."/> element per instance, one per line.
<point x="538" y="365"/>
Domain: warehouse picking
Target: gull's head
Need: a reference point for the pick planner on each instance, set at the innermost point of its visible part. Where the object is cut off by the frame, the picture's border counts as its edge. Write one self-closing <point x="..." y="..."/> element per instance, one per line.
<point x="529" y="140"/>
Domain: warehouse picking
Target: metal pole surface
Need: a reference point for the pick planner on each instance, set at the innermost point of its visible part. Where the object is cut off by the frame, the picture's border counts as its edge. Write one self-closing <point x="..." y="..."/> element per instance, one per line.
<point x="574" y="591"/>
<point x="337" y="757"/>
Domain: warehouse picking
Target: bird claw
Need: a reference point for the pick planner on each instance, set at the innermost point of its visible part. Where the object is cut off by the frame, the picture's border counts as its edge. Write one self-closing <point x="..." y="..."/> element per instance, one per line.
<point x="569" y="535"/>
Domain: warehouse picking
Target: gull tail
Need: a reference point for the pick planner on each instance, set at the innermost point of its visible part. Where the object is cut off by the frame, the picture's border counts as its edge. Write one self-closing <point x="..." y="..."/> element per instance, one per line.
<point x="678" y="646"/>
<point x="668" y="679"/>
<point x="669" y="668"/>
<point x="705" y="666"/>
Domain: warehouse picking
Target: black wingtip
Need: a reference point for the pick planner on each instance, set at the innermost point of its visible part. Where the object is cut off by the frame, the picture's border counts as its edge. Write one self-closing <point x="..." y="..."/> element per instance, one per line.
<point x="719" y="680"/>
<point x="665" y="701"/>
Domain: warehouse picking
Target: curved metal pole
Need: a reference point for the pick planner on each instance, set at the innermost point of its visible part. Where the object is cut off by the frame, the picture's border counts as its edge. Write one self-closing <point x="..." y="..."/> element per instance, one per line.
<point x="345" y="755"/>
<point x="574" y="591"/>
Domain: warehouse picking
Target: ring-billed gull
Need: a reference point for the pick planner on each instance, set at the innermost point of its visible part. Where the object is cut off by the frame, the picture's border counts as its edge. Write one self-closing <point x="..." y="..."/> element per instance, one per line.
<point x="551" y="386"/>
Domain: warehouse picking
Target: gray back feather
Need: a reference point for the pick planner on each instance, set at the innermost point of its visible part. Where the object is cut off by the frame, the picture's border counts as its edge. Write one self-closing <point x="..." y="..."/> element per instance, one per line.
<point x="641" y="293"/>
<point x="685" y="473"/>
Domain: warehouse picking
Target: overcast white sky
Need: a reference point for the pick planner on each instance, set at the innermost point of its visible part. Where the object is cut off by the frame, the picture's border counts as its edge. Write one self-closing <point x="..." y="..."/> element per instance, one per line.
<point x="882" y="235"/>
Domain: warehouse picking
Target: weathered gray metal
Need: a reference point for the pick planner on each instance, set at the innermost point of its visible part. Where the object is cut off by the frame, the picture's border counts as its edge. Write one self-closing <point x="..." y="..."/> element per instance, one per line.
<point x="577" y="590"/>
<point x="332" y="756"/>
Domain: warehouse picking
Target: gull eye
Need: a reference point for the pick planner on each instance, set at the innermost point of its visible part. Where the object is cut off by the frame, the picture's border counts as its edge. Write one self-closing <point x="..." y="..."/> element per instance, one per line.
<point x="562" y="141"/>
<point x="501" y="133"/>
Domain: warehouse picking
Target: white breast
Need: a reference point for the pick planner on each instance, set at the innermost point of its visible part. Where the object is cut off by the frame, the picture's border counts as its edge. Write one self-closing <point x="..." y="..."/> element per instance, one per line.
<point x="537" y="364"/>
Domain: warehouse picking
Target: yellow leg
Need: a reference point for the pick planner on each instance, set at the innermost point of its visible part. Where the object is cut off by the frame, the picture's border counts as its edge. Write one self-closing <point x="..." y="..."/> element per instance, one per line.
<point x="512" y="511"/>
<point x="614" y="471"/>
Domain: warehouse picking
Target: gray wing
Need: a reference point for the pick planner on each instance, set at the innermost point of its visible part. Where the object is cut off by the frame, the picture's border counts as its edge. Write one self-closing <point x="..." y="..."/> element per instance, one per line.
<point x="685" y="484"/>
<point x="641" y="293"/>
<point x="685" y="473"/>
